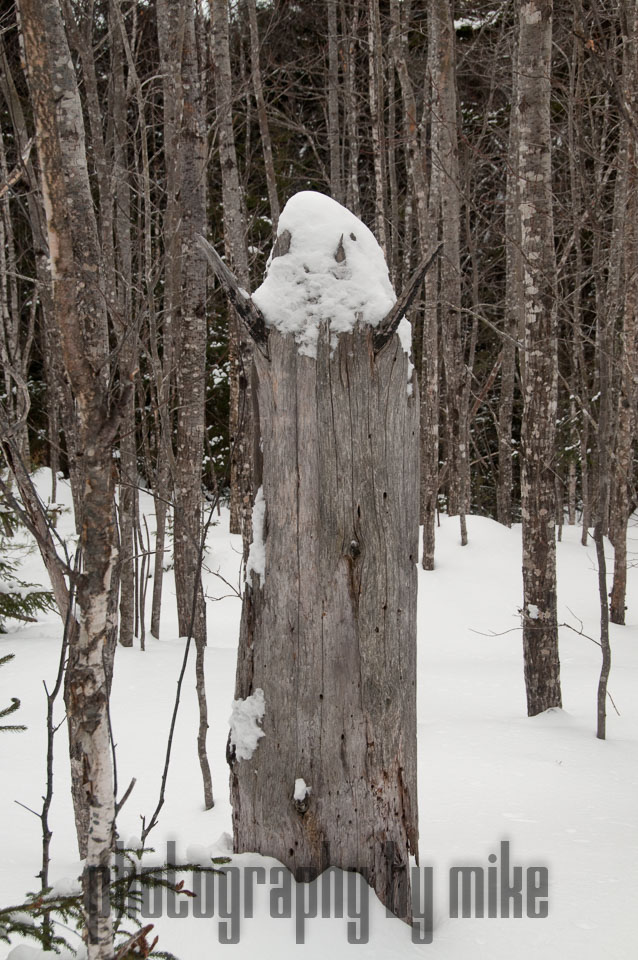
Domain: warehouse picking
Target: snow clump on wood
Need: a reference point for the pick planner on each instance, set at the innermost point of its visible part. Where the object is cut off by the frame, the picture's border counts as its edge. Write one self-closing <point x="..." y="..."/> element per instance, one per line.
<point x="334" y="270"/>
<point x="301" y="790"/>
<point x="404" y="332"/>
<point x="245" y="732"/>
<point x="257" y="554"/>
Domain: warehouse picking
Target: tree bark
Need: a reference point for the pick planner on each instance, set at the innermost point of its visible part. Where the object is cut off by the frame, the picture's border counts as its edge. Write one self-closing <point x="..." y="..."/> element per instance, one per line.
<point x="622" y="474"/>
<point x="540" y="632"/>
<point x="514" y="321"/>
<point x="124" y="323"/>
<point x="191" y="384"/>
<point x="164" y="332"/>
<point x="178" y="37"/>
<point x="349" y="66"/>
<point x="80" y="314"/>
<point x="262" y="115"/>
<point x="334" y="131"/>
<point x="328" y="629"/>
<point x="445" y="160"/>
<point x="235" y="246"/>
<point x="376" y="96"/>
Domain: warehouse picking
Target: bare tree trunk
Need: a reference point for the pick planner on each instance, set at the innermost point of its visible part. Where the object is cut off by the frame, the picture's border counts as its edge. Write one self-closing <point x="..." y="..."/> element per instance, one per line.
<point x="353" y="198"/>
<point x="602" y="506"/>
<point x="191" y="383"/>
<point x="540" y="632"/>
<point x="576" y="299"/>
<point x="376" y="96"/>
<point x="127" y="334"/>
<point x="623" y="470"/>
<point x="262" y="115"/>
<point x="430" y="402"/>
<point x="514" y="324"/>
<point x="60" y="403"/>
<point x="60" y="399"/>
<point x="430" y="421"/>
<point x="393" y="178"/>
<point x="445" y="159"/>
<point x="235" y="246"/>
<point x="177" y="32"/>
<point x="334" y="132"/>
<point x="17" y="325"/>
<point x="160" y="495"/>
<point x="170" y="29"/>
<point x="352" y="735"/>
<point x="411" y="127"/>
<point x="80" y="314"/>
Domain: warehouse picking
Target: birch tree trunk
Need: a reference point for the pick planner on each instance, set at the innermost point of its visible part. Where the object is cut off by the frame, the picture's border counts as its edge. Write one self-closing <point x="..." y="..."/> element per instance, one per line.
<point x="60" y="397"/>
<point x="540" y="632"/>
<point x="80" y="314"/>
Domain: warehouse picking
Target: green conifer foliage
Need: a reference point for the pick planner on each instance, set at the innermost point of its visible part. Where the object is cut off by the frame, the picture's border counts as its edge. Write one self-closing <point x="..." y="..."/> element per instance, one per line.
<point x="19" y="600"/>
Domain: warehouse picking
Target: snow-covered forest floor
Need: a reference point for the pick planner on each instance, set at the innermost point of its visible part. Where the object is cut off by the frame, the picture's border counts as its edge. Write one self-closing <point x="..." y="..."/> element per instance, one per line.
<point x="487" y="773"/>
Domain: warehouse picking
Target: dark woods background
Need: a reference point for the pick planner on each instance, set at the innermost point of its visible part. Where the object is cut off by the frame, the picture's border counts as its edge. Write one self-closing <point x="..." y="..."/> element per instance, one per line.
<point x="340" y="97"/>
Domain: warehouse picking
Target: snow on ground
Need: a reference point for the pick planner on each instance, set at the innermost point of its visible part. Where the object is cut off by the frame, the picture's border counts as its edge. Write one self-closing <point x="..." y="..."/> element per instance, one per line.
<point x="487" y="773"/>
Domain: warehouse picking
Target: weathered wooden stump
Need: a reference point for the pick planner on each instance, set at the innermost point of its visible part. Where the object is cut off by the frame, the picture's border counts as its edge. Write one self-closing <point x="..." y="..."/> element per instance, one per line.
<point x="328" y="628"/>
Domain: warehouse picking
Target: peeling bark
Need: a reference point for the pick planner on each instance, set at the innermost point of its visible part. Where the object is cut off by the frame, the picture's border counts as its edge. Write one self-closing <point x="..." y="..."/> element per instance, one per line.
<point x="80" y="316"/>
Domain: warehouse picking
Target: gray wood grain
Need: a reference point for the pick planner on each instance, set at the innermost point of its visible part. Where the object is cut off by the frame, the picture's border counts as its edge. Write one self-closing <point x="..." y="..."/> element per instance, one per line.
<point x="330" y="633"/>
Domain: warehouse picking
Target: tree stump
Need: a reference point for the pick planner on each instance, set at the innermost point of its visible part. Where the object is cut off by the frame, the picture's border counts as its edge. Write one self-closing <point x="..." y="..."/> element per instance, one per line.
<point x="328" y="629"/>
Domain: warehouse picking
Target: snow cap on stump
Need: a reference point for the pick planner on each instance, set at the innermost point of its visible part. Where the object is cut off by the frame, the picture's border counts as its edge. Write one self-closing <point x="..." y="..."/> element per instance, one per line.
<point x="326" y="266"/>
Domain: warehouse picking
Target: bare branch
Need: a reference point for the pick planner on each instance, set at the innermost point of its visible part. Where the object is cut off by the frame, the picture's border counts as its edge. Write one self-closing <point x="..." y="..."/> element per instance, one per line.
<point x="240" y="299"/>
<point x="129" y="790"/>
<point x="391" y="321"/>
<point x="18" y="171"/>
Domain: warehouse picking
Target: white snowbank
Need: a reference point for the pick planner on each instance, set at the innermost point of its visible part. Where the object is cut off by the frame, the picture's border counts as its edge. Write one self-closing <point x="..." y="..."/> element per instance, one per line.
<point x="25" y="952"/>
<point x="20" y="589"/>
<point x="308" y="284"/>
<point x="257" y="554"/>
<point x="487" y="772"/>
<point x="245" y="732"/>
